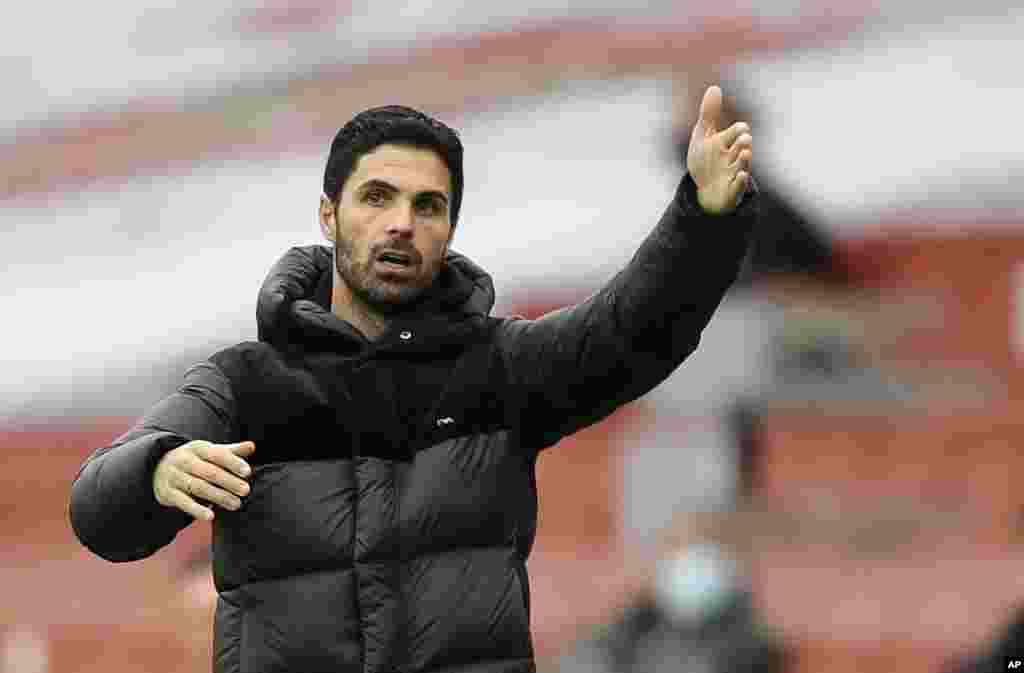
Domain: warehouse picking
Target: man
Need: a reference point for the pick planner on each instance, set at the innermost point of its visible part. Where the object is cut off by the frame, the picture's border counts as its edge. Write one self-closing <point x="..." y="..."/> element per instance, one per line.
<point x="368" y="464"/>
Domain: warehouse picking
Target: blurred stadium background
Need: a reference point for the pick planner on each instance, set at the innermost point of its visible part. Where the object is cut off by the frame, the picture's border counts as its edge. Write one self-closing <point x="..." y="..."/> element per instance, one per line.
<point x="846" y="437"/>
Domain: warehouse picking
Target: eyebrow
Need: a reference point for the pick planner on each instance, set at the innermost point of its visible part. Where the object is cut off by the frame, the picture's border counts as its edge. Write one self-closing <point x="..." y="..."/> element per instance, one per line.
<point x="382" y="184"/>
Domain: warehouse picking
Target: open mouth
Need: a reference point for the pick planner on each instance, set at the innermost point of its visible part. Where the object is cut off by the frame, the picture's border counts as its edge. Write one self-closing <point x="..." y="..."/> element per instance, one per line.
<point x="396" y="260"/>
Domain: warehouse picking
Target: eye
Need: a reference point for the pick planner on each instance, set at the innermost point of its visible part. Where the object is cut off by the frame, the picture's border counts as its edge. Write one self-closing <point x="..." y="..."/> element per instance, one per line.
<point x="431" y="207"/>
<point x="375" y="197"/>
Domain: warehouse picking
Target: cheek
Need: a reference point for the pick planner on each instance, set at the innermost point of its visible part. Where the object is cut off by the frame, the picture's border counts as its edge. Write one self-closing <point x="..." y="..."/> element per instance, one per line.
<point x="437" y="251"/>
<point x="439" y="244"/>
<point x="354" y="244"/>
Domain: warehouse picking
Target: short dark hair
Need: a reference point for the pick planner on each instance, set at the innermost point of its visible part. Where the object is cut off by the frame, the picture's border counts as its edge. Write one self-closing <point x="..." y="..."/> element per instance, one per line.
<point x="393" y="124"/>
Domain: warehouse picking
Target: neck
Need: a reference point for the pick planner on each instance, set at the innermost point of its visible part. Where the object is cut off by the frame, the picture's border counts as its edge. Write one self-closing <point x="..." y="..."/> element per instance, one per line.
<point x="347" y="307"/>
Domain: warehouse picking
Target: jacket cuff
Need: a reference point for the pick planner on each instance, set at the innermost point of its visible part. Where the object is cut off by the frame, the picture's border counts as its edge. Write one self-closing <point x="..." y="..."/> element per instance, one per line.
<point x="112" y="501"/>
<point x="733" y="227"/>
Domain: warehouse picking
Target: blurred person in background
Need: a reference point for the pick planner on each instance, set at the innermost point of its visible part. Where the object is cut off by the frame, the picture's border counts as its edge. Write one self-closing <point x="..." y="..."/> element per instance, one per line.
<point x="694" y="612"/>
<point x="368" y="464"/>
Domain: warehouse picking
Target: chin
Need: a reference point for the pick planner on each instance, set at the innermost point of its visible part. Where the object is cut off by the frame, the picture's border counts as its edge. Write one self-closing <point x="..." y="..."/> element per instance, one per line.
<point x="392" y="300"/>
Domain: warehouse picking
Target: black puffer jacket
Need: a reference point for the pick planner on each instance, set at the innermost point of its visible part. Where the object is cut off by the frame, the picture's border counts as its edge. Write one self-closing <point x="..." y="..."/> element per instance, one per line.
<point x="393" y="500"/>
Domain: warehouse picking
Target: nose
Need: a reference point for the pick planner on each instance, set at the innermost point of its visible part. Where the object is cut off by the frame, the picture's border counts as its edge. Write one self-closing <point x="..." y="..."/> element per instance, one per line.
<point x="401" y="221"/>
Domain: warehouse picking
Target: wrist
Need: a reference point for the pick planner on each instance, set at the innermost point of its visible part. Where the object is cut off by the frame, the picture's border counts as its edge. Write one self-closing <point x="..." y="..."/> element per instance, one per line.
<point x="703" y="201"/>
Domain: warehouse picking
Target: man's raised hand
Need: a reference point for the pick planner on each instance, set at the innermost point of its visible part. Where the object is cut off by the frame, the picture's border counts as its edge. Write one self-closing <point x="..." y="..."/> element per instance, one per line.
<point x="718" y="161"/>
<point x="203" y="471"/>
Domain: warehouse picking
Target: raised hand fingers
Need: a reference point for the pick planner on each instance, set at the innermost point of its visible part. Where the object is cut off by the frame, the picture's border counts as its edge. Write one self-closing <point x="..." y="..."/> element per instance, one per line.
<point x="742" y="161"/>
<point x="741" y="152"/>
<point x="732" y="134"/>
<point x="744" y="143"/>
<point x="710" y="113"/>
<point x="738" y="186"/>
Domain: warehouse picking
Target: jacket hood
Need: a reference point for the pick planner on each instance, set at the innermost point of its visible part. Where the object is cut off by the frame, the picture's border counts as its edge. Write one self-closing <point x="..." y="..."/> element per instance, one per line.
<point x="294" y="302"/>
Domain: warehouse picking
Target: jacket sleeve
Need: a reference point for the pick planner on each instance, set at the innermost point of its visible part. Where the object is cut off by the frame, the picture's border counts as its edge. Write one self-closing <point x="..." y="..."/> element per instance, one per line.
<point x="112" y="508"/>
<point x="574" y="366"/>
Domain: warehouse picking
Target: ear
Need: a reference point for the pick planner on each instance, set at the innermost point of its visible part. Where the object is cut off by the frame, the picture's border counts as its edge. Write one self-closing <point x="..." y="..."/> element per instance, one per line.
<point x="328" y="219"/>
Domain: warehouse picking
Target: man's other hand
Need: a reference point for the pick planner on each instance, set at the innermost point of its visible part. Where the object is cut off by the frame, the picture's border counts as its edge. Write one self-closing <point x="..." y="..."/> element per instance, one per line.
<point x="203" y="471"/>
<point x="718" y="161"/>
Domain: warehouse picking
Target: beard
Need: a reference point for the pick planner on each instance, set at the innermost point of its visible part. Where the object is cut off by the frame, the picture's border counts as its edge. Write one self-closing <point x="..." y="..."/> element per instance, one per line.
<point x="381" y="295"/>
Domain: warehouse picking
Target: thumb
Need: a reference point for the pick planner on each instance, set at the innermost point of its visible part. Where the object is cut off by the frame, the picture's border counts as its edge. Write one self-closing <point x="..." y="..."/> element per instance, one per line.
<point x="243" y="448"/>
<point x="711" y="110"/>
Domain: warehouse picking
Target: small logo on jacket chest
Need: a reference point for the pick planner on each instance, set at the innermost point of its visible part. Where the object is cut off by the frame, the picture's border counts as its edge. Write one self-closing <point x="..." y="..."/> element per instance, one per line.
<point x="446" y="420"/>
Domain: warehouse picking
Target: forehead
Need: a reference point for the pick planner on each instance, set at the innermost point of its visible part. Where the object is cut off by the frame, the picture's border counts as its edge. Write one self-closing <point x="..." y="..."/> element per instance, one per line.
<point x="413" y="169"/>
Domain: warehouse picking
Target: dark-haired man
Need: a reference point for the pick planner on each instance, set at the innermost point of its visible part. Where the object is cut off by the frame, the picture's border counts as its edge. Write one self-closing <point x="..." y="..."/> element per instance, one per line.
<point x="371" y="458"/>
